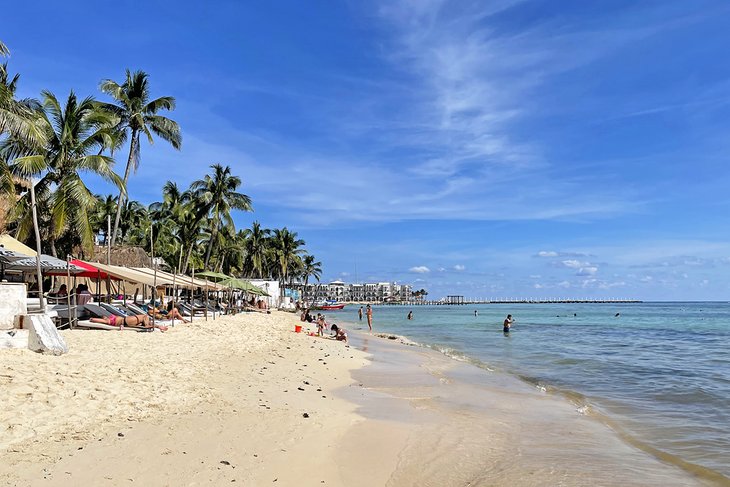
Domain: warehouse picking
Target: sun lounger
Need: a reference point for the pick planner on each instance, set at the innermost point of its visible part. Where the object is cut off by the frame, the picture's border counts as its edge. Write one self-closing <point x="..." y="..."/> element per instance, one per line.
<point x="115" y="310"/>
<point x="96" y="310"/>
<point x="104" y="326"/>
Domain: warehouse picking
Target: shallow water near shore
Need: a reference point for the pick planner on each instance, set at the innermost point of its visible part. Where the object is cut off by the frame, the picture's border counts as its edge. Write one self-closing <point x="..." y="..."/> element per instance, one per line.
<point x="658" y="373"/>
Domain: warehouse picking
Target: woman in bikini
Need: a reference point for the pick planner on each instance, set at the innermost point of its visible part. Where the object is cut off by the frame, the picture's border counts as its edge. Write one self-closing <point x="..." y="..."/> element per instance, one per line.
<point x="131" y="321"/>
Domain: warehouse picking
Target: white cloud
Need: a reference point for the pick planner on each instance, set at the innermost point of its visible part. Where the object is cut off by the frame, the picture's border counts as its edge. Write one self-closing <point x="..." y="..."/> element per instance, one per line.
<point x="587" y="271"/>
<point x="421" y="269"/>
<point x="547" y="253"/>
<point x="459" y="267"/>
<point x="573" y="264"/>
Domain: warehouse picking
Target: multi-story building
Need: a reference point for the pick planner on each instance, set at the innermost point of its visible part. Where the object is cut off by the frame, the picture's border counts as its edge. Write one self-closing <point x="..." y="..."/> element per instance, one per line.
<point x="379" y="292"/>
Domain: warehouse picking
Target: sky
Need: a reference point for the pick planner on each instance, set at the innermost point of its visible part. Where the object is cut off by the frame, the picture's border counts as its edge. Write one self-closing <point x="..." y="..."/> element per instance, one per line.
<point x="493" y="149"/>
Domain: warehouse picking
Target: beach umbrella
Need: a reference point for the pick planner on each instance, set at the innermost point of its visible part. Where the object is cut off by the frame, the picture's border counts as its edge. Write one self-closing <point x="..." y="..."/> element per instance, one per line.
<point x="213" y="275"/>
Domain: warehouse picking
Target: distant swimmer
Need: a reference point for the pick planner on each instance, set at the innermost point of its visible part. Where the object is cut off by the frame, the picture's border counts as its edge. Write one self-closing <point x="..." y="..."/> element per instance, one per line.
<point x="476" y="313"/>
<point x="410" y="315"/>
<point x="617" y="315"/>
<point x="507" y="324"/>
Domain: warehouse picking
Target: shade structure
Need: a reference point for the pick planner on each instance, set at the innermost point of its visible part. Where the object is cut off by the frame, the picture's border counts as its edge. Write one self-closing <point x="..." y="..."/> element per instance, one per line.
<point x="9" y="243"/>
<point x="132" y="275"/>
<point x="86" y="270"/>
<point x="243" y="285"/>
<point x="182" y="280"/>
<point x="213" y="275"/>
<point x="10" y="256"/>
<point x="49" y="265"/>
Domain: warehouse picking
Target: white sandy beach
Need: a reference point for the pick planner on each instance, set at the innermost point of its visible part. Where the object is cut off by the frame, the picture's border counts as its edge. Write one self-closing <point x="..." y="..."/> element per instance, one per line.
<point x="245" y="400"/>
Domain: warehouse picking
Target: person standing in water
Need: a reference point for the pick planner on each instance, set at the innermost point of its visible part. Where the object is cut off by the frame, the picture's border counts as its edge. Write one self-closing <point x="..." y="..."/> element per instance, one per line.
<point x="410" y="315"/>
<point x="359" y="313"/>
<point x="369" y="313"/>
<point x="507" y="324"/>
<point x="476" y="313"/>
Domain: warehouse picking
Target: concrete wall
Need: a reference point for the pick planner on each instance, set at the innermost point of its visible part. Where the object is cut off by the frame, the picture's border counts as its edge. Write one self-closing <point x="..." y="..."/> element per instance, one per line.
<point x="12" y="303"/>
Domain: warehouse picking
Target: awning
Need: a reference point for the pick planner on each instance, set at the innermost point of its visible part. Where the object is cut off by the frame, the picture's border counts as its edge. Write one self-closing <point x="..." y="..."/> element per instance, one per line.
<point x="87" y="270"/>
<point x="10" y="256"/>
<point x="182" y="280"/>
<point x="131" y="275"/>
<point x="49" y="265"/>
<point x="9" y="243"/>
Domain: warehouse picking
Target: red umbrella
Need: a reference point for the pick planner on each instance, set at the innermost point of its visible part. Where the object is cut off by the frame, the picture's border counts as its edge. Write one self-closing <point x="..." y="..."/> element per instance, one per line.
<point x="89" y="271"/>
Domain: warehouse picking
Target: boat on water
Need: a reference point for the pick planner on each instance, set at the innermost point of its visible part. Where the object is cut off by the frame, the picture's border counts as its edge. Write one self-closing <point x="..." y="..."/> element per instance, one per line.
<point x="325" y="305"/>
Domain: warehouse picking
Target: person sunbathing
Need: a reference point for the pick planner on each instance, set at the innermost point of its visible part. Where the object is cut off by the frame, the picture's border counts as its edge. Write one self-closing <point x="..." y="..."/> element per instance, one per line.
<point x="131" y="321"/>
<point x="169" y="314"/>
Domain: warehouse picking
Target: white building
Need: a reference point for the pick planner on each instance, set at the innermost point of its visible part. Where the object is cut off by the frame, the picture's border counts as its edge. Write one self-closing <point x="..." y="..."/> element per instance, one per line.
<point x="378" y="292"/>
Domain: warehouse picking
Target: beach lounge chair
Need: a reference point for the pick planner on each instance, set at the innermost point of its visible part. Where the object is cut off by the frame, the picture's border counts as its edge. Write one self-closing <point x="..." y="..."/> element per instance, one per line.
<point x="115" y="310"/>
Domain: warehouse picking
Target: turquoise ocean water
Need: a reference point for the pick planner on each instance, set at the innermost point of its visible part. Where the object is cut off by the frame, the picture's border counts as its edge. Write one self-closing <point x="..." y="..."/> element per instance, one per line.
<point x="659" y="373"/>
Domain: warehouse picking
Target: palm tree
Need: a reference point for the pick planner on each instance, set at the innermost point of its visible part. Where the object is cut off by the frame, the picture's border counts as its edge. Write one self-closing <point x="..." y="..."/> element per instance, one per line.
<point x="103" y="211"/>
<point x="217" y="195"/>
<point x="286" y="250"/>
<point x="133" y="215"/>
<point x="309" y="268"/>
<point x="17" y="117"/>
<point x="256" y="250"/>
<point x="76" y="135"/>
<point x="138" y="115"/>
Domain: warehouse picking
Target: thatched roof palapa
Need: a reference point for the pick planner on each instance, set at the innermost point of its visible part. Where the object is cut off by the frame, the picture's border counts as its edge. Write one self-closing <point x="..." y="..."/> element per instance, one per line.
<point x="122" y="255"/>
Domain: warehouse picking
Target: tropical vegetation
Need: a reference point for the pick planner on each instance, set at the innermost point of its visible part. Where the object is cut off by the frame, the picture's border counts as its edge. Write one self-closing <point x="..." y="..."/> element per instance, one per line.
<point x="49" y="147"/>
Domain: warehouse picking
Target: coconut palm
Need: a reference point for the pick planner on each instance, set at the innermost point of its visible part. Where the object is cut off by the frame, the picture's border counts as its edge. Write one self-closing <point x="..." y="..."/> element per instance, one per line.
<point x="138" y="115"/>
<point x="76" y="134"/>
<point x="217" y="195"/>
<point x="286" y="250"/>
<point x="104" y="210"/>
<point x="310" y="268"/>
<point x="17" y="117"/>
<point x="256" y="250"/>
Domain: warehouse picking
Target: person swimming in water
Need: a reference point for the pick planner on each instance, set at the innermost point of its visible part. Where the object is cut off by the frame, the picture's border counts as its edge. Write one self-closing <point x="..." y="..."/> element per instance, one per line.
<point x="507" y="324"/>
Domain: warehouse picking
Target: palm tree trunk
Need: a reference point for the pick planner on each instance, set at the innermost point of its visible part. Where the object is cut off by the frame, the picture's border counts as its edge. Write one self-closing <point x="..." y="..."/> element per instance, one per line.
<point x="187" y="258"/>
<point x="208" y="251"/>
<point x="123" y="192"/>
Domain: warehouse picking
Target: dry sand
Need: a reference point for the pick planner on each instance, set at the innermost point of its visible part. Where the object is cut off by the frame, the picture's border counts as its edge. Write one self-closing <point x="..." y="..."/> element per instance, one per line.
<point x="203" y="404"/>
<point x="243" y="400"/>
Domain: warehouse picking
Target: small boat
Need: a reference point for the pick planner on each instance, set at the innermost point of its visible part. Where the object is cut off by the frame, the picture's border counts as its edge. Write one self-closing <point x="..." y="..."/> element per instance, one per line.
<point x="332" y="306"/>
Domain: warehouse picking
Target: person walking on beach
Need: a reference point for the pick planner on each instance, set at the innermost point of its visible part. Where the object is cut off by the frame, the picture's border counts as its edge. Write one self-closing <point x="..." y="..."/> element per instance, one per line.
<point x="359" y="313"/>
<point x="369" y="312"/>
<point x="507" y="324"/>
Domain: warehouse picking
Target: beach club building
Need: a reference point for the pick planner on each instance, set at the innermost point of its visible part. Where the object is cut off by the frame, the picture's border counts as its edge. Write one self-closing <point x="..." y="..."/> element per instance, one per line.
<point x="379" y="292"/>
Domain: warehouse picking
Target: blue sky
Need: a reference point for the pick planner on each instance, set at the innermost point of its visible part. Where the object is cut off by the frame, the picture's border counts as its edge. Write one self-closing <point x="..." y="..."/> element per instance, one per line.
<point x="492" y="149"/>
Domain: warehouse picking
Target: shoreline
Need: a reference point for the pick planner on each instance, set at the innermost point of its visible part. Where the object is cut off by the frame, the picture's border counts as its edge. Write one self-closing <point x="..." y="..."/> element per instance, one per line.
<point x="225" y="401"/>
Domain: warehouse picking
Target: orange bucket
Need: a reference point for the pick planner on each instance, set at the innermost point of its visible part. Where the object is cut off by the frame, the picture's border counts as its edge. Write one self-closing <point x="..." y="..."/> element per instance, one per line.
<point x="297" y="328"/>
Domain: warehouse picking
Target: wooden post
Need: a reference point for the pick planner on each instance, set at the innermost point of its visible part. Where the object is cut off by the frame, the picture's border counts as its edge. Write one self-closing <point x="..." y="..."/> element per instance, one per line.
<point x="39" y="274"/>
<point x="68" y="294"/>
<point x="174" y="294"/>
<point x="154" y="278"/>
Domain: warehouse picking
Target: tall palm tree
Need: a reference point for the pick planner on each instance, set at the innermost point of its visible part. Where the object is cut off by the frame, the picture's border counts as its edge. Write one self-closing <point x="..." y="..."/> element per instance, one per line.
<point x="256" y="250"/>
<point x="76" y="136"/>
<point x="133" y="215"/>
<point x="17" y="117"/>
<point x="286" y="250"/>
<point x="217" y="195"/>
<point x="104" y="210"/>
<point x="138" y="115"/>
<point x="310" y="268"/>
